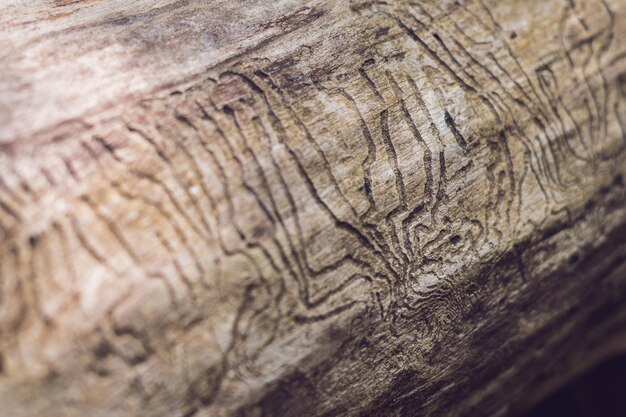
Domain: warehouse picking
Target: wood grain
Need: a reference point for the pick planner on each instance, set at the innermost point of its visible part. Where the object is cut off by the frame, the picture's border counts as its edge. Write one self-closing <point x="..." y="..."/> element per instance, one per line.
<point x="321" y="208"/>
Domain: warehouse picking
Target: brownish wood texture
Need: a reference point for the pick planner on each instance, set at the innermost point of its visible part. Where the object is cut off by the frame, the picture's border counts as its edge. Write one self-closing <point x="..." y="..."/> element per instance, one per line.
<point x="308" y="208"/>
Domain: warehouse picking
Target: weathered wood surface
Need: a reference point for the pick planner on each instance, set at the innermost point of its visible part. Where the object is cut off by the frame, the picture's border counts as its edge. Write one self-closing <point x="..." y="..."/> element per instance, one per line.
<point x="320" y="208"/>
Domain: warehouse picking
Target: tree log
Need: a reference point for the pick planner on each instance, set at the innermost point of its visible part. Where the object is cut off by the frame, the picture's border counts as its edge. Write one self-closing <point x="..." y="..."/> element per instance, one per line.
<point x="308" y="208"/>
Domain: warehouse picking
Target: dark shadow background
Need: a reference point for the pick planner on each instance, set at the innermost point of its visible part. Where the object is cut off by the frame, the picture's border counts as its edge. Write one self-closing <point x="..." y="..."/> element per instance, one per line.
<point x="601" y="392"/>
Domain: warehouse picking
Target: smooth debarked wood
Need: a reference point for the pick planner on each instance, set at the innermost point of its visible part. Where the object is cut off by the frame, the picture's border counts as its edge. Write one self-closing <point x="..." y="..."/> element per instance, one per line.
<point x="308" y="208"/>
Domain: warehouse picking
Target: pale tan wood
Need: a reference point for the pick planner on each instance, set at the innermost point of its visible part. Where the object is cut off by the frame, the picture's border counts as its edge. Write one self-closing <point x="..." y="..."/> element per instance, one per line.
<point x="308" y="208"/>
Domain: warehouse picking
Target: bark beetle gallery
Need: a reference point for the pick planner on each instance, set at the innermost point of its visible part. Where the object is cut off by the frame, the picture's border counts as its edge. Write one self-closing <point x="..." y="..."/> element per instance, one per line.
<point x="308" y="208"/>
